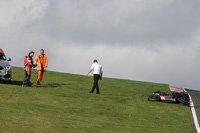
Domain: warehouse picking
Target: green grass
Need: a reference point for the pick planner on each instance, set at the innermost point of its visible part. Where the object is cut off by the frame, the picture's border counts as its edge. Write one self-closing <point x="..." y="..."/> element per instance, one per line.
<point x="63" y="104"/>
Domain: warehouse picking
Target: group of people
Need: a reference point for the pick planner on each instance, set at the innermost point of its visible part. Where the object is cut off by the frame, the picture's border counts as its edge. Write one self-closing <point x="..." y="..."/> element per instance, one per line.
<point x="41" y="63"/>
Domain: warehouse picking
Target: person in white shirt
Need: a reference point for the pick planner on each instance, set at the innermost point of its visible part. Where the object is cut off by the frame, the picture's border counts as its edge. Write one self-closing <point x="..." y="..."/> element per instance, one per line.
<point x="97" y="73"/>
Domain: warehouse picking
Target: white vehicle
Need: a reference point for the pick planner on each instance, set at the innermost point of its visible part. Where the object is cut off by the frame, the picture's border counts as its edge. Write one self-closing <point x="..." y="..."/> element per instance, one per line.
<point x="5" y="68"/>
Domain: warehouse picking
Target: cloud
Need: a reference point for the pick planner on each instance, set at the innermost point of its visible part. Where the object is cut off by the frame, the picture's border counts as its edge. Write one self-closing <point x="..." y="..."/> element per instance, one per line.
<point x="116" y="22"/>
<point x="175" y="65"/>
<point x="16" y="15"/>
<point x="144" y="40"/>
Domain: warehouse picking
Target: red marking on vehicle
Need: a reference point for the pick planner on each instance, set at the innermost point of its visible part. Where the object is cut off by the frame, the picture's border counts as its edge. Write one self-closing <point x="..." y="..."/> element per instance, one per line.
<point x="3" y="60"/>
<point x="162" y="97"/>
<point x="1" y="51"/>
<point x="9" y="72"/>
<point x="177" y="89"/>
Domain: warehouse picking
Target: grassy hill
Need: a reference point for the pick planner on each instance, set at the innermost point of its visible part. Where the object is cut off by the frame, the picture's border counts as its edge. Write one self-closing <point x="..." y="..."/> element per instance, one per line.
<point x="63" y="104"/>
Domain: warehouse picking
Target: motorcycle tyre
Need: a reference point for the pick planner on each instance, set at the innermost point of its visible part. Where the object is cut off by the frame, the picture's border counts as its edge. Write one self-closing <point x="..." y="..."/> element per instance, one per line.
<point x="184" y="99"/>
<point x="154" y="98"/>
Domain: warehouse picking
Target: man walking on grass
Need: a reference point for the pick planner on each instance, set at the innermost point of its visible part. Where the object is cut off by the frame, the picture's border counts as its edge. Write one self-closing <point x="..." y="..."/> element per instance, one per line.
<point x="42" y="63"/>
<point x="97" y="73"/>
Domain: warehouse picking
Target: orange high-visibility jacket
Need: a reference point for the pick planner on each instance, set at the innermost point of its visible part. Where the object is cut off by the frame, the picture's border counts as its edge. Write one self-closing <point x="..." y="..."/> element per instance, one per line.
<point x="41" y="62"/>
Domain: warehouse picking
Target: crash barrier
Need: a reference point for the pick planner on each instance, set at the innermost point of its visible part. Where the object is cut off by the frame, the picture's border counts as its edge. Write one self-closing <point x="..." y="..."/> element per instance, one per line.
<point x="196" y="123"/>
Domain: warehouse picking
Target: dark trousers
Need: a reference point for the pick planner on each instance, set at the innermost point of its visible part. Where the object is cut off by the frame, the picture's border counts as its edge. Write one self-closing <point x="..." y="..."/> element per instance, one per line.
<point x="96" y="79"/>
<point x="27" y="79"/>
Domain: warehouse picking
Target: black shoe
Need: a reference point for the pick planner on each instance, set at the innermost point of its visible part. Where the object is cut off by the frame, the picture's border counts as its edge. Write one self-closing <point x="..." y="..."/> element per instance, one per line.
<point x="38" y="83"/>
<point x="90" y="92"/>
<point x="27" y="84"/>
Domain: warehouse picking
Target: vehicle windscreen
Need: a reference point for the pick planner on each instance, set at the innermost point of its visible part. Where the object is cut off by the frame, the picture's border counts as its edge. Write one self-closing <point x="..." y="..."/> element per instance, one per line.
<point x="2" y="56"/>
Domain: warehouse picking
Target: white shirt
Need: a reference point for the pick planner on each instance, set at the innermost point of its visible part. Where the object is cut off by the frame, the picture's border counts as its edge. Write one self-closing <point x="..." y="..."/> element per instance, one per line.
<point x="97" y="69"/>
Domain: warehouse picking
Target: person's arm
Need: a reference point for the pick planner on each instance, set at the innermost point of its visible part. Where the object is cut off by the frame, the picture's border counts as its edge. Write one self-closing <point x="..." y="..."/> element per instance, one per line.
<point x="30" y="60"/>
<point x="101" y="72"/>
<point x="89" y="72"/>
<point x="46" y="63"/>
<point x="36" y="60"/>
<point x="101" y="76"/>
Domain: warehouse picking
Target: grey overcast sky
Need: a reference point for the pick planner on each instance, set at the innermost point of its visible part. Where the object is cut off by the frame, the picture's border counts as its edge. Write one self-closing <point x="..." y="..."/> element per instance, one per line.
<point x="145" y="40"/>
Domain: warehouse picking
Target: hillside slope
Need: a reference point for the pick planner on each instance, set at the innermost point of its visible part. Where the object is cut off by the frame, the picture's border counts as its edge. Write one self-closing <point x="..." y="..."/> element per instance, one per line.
<point x="62" y="103"/>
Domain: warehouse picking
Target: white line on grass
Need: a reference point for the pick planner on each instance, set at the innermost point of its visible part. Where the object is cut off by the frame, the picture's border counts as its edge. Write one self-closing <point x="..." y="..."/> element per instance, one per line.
<point x="196" y="123"/>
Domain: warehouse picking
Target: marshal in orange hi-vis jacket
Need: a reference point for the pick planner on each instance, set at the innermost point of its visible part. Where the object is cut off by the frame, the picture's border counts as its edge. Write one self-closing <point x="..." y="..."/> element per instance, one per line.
<point x="42" y="63"/>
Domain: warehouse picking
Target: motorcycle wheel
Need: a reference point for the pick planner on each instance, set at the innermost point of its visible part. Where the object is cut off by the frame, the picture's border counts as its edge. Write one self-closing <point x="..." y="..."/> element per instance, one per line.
<point x="154" y="98"/>
<point x="184" y="99"/>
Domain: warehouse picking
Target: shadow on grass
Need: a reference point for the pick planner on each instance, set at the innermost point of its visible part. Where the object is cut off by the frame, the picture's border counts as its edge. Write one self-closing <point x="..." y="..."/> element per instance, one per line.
<point x="112" y="95"/>
<point x="51" y="85"/>
<point x="13" y="82"/>
<point x="19" y="83"/>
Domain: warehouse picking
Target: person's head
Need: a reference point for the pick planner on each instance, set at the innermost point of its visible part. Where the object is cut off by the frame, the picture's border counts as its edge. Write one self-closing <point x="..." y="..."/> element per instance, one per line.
<point x="95" y="61"/>
<point x="42" y="51"/>
<point x="31" y="54"/>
